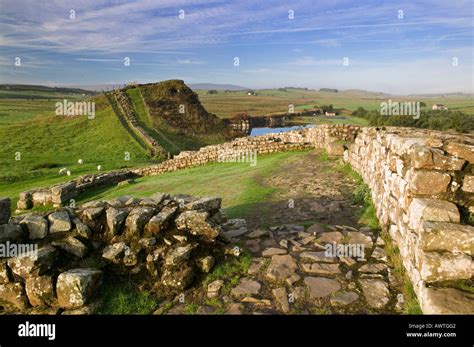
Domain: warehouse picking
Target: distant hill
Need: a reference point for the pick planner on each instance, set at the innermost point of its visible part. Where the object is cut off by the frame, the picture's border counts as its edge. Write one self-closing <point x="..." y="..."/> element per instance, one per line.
<point x="331" y="90"/>
<point x="43" y="89"/>
<point x="215" y="86"/>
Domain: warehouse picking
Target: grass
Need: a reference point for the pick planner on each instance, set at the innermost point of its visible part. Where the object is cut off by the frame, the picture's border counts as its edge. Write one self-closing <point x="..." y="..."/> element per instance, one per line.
<point x="230" y="271"/>
<point x="48" y="143"/>
<point x="238" y="184"/>
<point x="125" y="298"/>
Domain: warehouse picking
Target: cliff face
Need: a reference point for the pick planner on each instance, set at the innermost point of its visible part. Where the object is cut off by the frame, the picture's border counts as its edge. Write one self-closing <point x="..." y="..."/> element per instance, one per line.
<point x="174" y="105"/>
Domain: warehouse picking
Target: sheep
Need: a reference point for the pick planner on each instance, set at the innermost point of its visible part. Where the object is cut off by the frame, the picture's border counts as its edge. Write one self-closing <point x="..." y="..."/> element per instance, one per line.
<point x="99" y="167"/>
<point x="62" y="171"/>
<point x="68" y="173"/>
<point x="80" y="161"/>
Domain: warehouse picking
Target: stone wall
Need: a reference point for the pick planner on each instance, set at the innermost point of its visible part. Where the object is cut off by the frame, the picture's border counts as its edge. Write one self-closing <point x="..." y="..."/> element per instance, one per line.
<point x="162" y="243"/>
<point x="421" y="184"/>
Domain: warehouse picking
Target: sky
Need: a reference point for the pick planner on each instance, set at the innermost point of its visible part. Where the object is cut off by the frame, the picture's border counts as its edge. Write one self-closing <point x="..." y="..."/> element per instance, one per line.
<point x="398" y="47"/>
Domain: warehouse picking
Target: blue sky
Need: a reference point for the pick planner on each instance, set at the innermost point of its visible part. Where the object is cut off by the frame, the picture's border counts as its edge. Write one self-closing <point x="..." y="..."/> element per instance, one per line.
<point x="413" y="54"/>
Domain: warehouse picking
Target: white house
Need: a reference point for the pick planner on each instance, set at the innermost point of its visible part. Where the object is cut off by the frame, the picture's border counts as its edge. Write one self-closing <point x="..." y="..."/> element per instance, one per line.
<point x="329" y="113"/>
<point x="439" y="107"/>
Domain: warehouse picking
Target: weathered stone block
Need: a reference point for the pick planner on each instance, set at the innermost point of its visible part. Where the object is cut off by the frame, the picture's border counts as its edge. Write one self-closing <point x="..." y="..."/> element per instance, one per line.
<point x="76" y="287"/>
<point x="446" y="301"/>
<point x="443" y="236"/>
<point x="40" y="290"/>
<point x="437" y="267"/>
<point x="461" y="150"/>
<point x="33" y="263"/>
<point x="37" y="226"/>
<point x="10" y="232"/>
<point x="12" y="297"/>
<point x="196" y="223"/>
<point x="421" y="210"/>
<point x="115" y="219"/>
<point x="429" y="182"/>
<point x="59" y="222"/>
<point x="468" y="184"/>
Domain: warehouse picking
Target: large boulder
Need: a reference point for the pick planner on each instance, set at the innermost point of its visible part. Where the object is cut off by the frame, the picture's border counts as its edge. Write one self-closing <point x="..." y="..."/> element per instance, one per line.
<point x="33" y="263"/>
<point x="12" y="297"/>
<point x="76" y="287"/>
<point x="196" y="223"/>
<point x="5" y="210"/>
<point x="37" y="226"/>
<point x="115" y="219"/>
<point x="40" y="290"/>
<point x="59" y="221"/>
<point x="11" y="233"/>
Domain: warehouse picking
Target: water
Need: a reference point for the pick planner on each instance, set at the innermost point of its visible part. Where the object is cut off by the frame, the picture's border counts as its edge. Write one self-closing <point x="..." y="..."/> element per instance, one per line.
<point x="265" y="130"/>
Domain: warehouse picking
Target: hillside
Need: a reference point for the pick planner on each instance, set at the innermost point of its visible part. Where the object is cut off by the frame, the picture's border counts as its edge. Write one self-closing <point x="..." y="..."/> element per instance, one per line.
<point x="172" y="105"/>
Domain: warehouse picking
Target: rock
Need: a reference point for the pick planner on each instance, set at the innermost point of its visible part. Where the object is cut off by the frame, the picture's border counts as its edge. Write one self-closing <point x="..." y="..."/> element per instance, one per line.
<point x="344" y="298"/>
<point x="161" y="221"/>
<point x="10" y="233"/>
<point x="293" y="279"/>
<point x="209" y="204"/>
<point x="335" y="148"/>
<point x="446" y="301"/>
<point x="205" y="264"/>
<point x="321" y="269"/>
<point x="317" y="256"/>
<point x="255" y="267"/>
<point x="234" y="308"/>
<point x="234" y="233"/>
<point x="373" y="268"/>
<point x="179" y="254"/>
<point x="282" y="298"/>
<point x="76" y="287"/>
<point x="12" y="297"/>
<point x="356" y="237"/>
<point x="468" y="184"/>
<point x="283" y="243"/>
<point x="114" y="253"/>
<point x="5" y="210"/>
<point x="429" y="182"/>
<point x="137" y="220"/>
<point x="315" y="229"/>
<point x="376" y="292"/>
<point x="298" y="294"/>
<point x="214" y="288"/>
<point x="461" y="150"/>
<point x="380" y="242"/>
<point x="446" y="237"/>
<point x="330" y="237"/>
<point x="348" y="275"/>
<point x="37" y="226"/>
<point x="40" y="290"/>
<point x="379" y="254"/>
<point x="236" y="223"/>
<point x="273" y="251"/>
<point x="347" y="261"/>
<point x="178" y="278"/>
<point x="88" y="309"/>
<point x="115" y="219"/>
<point x="246" y="286"/>
<point x="59" y="222"/>
<point x="159" y="197"/>
<point x="437" y="267"/>
<point x="257" y="233"/>
<point x="434" y="210"/>
<point x="82" y="230"/>
<point x="196" y="223"/>
<point x="253" y="245"/>
<point x="281" y="267"/>
<point x="71" y="245"/>
<point x="33" y="263"/>
<point x="92" y="214"/>
<point x="320" y="287"/>
<point x="125" y="182"/>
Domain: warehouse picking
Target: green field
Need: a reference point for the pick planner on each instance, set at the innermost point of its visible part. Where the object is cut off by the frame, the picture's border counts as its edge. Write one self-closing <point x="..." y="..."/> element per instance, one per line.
<point x="49" y="143"/>
<point x="274" y="101"/>
<point x="238" y="184"/>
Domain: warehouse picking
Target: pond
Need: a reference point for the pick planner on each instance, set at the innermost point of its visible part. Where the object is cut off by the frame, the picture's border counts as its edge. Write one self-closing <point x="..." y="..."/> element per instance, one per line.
<point x="269" y="130"/>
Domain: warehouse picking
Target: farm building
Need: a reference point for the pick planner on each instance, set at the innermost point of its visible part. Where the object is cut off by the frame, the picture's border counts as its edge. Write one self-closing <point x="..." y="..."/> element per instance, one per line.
<point x="439" y="107"/>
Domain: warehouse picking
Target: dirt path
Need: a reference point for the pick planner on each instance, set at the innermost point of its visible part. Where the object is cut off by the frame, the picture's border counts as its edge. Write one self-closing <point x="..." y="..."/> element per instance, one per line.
<point x="309" y="189"/>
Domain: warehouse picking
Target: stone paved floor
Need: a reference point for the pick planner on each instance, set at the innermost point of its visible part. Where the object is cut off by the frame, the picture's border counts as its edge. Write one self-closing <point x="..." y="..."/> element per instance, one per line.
<point x="291" y="271"/>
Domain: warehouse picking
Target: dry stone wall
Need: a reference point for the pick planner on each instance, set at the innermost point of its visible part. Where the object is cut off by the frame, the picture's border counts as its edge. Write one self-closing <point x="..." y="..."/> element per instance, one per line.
<point x="56" y="262"/>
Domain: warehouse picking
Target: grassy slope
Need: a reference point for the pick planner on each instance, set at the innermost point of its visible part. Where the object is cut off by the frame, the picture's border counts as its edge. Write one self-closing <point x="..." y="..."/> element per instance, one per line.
<point x="237" y="183"/>
<point x="60" y="142"/>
